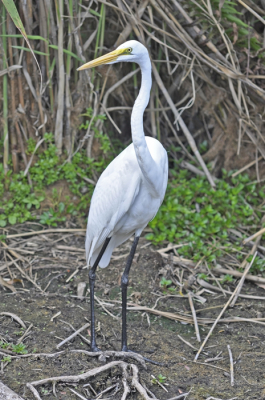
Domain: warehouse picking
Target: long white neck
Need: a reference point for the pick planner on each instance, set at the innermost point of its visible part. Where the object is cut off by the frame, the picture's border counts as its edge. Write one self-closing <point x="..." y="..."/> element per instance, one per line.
<point x="144" y="158"/>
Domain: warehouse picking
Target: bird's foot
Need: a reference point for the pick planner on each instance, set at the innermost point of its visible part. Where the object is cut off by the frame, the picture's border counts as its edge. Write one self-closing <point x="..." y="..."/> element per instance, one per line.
<point x="125" y="348"/>
<point x="94" y="348"/>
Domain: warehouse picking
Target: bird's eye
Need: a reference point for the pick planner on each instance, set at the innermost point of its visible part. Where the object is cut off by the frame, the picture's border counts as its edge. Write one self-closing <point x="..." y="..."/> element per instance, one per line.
<point x="129" y="49"/>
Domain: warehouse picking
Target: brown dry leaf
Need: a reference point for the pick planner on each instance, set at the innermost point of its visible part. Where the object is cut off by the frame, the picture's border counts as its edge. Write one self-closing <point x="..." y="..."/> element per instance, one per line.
<point x="235" y="30"/>
<point x="261" y="285"/>
<point x="7" y="285"/>
<point x="137" y="296"/>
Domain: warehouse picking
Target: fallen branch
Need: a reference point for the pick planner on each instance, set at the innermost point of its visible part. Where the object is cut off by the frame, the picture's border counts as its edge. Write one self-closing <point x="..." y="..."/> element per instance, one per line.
<point x="8" y="394"/>
<point x="238" y="274"/>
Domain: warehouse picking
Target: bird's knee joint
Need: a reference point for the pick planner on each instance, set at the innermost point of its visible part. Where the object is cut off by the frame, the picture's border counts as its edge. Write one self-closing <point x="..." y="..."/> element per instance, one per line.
<point x="124" y="280"/>
<point x="92" y="275"/>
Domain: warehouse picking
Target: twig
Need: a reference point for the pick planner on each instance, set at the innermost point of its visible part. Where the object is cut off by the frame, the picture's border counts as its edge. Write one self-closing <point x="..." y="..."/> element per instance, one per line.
<point x="207" y="285"/>
<point x="8" y="394"/>
<point x="252" y="237"/>
<point x="73" y="335"/>
<point x="231" y="365"/>
<point x="190" y="345"/>
<point x="15" y="317"/>
<point x="25" y="334"/>
<point x="159" y="383"/>
<point x="242" y="280"/>
<point x="209" y="365"/>
<point x="194" y="317"/>
<point x="237" y="274"/>
<point x="33" y="233"/>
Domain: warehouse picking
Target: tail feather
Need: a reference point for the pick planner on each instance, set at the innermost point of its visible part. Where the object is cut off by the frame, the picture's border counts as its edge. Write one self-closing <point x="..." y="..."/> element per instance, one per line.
<point x="115" y="241"/>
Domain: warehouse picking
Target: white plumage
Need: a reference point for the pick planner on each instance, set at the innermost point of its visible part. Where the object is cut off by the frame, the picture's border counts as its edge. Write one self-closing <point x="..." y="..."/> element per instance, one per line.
<point x="130" y="190"/>
<point x="122" y="204"/>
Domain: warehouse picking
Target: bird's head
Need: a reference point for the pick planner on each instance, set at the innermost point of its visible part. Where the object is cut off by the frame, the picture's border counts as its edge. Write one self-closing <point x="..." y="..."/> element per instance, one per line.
<point x="131" y="51"/>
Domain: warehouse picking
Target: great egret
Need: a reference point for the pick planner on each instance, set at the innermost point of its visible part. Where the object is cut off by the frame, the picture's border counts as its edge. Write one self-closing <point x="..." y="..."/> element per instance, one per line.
<point x="130" y="190"/>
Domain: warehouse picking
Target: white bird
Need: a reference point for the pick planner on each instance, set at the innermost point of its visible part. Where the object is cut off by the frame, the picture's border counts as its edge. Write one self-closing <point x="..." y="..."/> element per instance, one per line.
<point x="130" y="191"/>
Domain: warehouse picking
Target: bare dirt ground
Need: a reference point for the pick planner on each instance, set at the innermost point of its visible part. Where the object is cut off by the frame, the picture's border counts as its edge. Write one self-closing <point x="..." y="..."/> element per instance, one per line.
<point x="51" y="258"/>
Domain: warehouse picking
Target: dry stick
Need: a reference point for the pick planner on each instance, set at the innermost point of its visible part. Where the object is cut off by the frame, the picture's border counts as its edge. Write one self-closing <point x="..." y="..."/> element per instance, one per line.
<point x="7" y="285"/>
<point x="25" y="334"/>
<point x="209" y="365"/>
<point x="250" y="238"/>
<point x="246" y="167"/>
<point x="12" y="251"/>
<point x="44" y="231"/>
<point x="72" y="336"/>
<point x="77" y="394"/>
<point x="34" y="391"/>
<point x="32" y="354"/>
<point x="8" y="394"/>
<point x="252" y="11"/>
<point x="79" y="334"/>
<point x="105" y="309"/>
<point x="231" y="365"/>
<point x="183" y="126"/>
<point x="217" y="282"/>
<point x="194" y="317"/>
<point x="160" y="384"/>
<point x="223" y="310"/>
<point x="15" y="317"/>
<point x="242" y="280"/>
<point x="187" y="343"/>
<point x="127" y="30"/>
<point x="237" y="274"/>
<point x="207" y="285"/>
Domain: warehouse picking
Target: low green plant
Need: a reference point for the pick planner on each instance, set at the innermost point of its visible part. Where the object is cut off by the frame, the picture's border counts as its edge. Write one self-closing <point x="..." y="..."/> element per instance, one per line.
<point x="19" y="348"/>
<point x="160" y="378"/>
<point x="164" y="283"/>
<point x="6" y="359"/>
<point x="16" y="348"/>
<point x="227" y="278"/>
<point x="199" y="217"/>
<point x="203" y="276"/>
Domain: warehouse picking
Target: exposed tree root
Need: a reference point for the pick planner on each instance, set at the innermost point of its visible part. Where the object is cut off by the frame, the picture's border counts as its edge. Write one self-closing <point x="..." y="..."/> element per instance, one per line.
<point x="126" y="378"/>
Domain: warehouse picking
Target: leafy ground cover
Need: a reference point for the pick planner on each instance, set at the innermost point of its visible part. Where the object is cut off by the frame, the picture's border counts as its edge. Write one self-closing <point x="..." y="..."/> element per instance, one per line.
<point x="199" y="217"/>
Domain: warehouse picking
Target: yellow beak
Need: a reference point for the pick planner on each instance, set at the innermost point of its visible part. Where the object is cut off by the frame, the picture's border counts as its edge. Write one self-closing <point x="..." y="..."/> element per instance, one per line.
<point x="112" y="56"/>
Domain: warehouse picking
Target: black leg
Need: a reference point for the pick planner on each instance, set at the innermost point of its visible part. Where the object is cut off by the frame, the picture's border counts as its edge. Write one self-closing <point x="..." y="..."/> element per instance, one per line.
<point x="124" y="285"/>
<point x="92" y="278"/>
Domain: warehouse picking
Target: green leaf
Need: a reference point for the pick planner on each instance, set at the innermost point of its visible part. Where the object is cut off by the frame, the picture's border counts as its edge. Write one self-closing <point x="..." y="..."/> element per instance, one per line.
<point x="12" y="219"/>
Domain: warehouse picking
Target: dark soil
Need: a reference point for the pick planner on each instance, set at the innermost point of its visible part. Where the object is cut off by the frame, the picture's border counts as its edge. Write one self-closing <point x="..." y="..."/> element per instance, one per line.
<point x="153" y="336"/>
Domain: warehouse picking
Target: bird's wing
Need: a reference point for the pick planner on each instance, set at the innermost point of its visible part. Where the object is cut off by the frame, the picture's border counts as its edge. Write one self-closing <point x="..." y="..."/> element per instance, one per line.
<point x="114" y="194"/>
